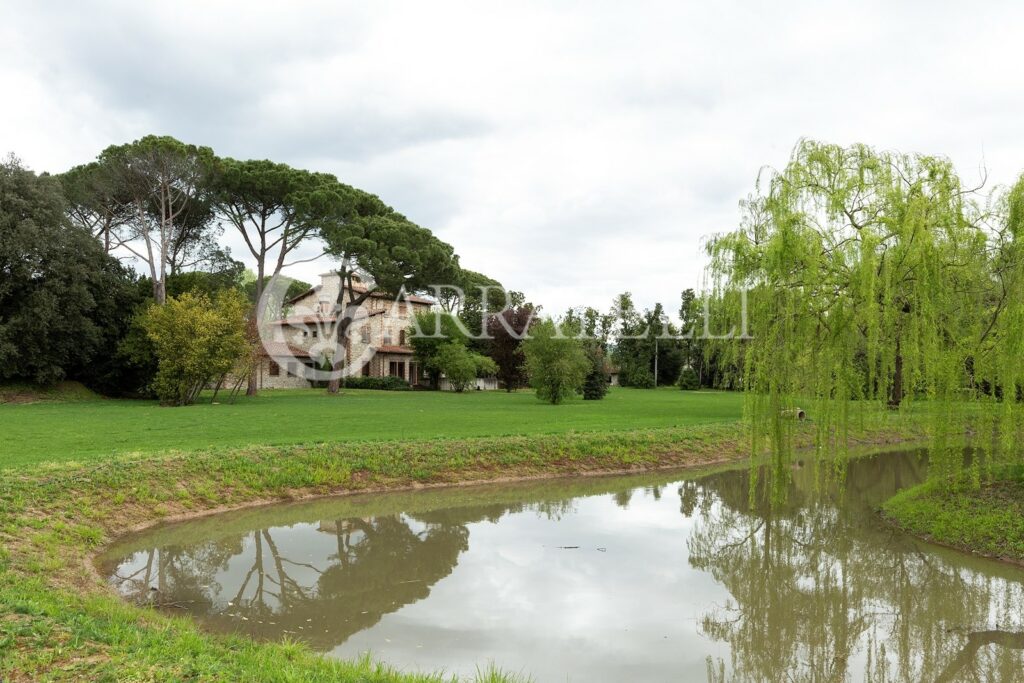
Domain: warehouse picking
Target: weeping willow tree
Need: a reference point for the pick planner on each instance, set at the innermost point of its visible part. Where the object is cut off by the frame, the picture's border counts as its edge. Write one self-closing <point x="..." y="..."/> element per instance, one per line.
<point x="874" y="280"/>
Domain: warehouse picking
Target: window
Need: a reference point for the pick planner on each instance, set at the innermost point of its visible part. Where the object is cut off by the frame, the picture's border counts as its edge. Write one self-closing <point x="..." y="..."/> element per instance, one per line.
<point x="293" y="368"/>
<point x="275" y="369"/>
<point x="401" y="337"/>
<point x="365" y="334"/>
<point x="387" y="338"/>
<point x="314" y="333"/>
<point x="366" y="370"/>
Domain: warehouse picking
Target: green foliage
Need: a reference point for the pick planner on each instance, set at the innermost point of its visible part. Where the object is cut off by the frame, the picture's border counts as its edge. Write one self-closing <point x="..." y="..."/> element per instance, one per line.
<point x="646" y="343"/>
<point x="197" y="341"/>
<point x="430" y="331"/>
<point x="461" y="366"/>
<point x="386" y="383"/>
<point x="275" y="208"/>
<point x="876" y="276"/>
<point x="392" y="255"/>
<point x="63" y="302"/>
<point x="248" y="280"/>
<point x="688" y="380"/>
<point x="160" y="190"/>
<point x="506" y="331"/>
<point x="595" y="384"/>
<point x="557" y="365"/>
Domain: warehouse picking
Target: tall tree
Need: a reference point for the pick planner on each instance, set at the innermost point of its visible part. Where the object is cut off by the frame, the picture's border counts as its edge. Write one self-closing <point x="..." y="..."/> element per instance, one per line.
<point x="276" y="209"/>
<point x="96" y="203"/>
<point x="63" y="301"/>
<point x="506" y="332"/>
<point x="164" y="185"/>
<point x="388" y="253"/>
<point x="870" y="273"/>
<point x="556" y="363"/>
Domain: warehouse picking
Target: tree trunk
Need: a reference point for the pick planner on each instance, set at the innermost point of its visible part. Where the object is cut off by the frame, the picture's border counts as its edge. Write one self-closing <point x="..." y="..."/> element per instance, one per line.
<point x="896" y="391"/>
<point x="160" y="292"/>
<point x="340" y="349"/>
<point x="252" y="385"/>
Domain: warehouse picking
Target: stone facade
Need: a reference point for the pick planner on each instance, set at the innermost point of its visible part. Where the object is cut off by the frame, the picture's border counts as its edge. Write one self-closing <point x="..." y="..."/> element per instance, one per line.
<point x="306" y="336"/>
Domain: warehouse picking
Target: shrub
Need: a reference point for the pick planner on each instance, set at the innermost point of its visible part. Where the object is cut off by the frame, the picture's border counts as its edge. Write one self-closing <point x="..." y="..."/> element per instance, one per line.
<point x="637" y="376"/>
<point x="461" y="366"/>
<point x="389" y="383"/>
<point x="197" y="340"/>
<point x="688" y="380"/>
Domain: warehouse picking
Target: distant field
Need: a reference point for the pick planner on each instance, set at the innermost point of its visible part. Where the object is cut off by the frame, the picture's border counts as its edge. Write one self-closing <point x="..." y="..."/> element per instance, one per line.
<point x="90" y="429"/>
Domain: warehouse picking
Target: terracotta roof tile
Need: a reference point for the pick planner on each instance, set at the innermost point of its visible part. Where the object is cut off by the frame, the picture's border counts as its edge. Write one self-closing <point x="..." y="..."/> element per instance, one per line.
<point x="395" y="349"/>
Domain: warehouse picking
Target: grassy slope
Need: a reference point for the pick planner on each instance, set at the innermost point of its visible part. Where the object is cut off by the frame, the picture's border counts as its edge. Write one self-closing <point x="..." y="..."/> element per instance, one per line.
<point x="987" y="521"/>
<point x="63" y="623"/>
<point x="87" y="430"/>
<point x="59" y="621"/>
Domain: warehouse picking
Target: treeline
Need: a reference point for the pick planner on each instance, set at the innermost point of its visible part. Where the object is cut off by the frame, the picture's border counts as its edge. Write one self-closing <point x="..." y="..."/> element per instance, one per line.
<point x="69" y="308"/>
<point x="579" y="351"/>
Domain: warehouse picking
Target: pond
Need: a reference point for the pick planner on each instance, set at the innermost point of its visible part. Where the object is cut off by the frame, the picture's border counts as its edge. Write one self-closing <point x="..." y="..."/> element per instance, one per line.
<point x="652" y="577"/>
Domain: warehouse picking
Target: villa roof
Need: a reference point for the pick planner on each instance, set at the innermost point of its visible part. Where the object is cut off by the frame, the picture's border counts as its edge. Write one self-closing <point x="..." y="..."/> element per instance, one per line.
<point x="282" y="350"/>
<point x="407" y="350"/>
<point x="360" y="288"/>
<point x="317" y="318"/>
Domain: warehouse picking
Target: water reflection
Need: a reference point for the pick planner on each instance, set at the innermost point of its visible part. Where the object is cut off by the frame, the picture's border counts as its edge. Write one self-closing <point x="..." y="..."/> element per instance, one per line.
<point x="820" y="590"/>
<point x="609" y="579"/>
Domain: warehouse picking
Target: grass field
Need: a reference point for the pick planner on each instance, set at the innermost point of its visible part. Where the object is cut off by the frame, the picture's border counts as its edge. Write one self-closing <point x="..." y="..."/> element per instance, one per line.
<point x="988" y="520"/>
<point x="84" y="430"/>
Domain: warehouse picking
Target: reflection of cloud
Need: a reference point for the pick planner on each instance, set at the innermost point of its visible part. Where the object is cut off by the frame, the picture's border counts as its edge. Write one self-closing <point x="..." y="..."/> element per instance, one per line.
<point x="468" y="576"/>
<point x="613" y="615"/>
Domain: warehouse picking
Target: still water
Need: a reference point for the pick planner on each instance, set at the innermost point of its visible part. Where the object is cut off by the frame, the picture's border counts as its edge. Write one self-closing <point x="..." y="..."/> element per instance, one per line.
<point x="666" y="577"/>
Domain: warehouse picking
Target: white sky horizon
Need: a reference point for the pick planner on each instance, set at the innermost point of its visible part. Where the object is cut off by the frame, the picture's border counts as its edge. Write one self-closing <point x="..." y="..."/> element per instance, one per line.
<point x="572" y="151"/>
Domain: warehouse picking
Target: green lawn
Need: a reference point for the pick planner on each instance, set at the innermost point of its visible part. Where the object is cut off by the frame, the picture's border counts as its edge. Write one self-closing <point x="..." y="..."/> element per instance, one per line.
<point x="85" y="430"/>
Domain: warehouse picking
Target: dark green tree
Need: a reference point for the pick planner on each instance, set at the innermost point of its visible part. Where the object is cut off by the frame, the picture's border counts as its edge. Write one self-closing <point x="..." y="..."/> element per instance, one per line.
<point x="595" y="384"/>
<point x="276" y="209"/>
<point x="64" y="302"/>
<point x="506" y="332"/>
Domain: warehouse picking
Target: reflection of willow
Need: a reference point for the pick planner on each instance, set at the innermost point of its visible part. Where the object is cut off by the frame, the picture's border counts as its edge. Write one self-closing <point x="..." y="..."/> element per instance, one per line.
<point x="814" y="585"/>
<point x="372" y="567"/>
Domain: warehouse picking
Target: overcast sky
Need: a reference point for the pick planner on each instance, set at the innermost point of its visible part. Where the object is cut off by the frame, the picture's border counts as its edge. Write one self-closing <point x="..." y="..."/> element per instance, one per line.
<point x="570" y="150"/>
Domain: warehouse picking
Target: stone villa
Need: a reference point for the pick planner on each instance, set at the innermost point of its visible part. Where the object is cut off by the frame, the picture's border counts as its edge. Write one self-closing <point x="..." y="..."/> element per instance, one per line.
<point x="305" y="336"/>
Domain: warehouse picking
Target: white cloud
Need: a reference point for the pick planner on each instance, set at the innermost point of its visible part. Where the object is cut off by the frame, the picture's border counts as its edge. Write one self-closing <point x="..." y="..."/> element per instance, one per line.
<point x="572" y="151"/>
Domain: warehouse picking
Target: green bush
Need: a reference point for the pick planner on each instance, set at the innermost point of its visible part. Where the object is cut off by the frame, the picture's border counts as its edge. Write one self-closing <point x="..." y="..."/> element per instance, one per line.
<point x="637" y="376"/>
<point x="688" y="380"/>
<point x="389" y="383"/>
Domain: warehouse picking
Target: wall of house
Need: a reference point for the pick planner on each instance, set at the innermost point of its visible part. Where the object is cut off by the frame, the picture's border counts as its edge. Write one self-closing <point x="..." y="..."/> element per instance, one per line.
<point x="384" y="319"/>
<point x="481" y="384"/>
<point x="282" y="380"/>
